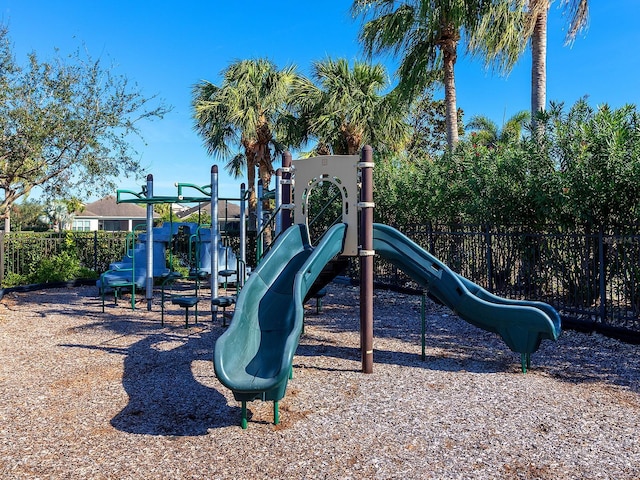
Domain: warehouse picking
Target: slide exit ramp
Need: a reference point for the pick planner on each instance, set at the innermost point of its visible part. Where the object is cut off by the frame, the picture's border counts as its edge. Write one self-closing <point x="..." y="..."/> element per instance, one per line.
<point x="253" y="358"/>
<point x="521" y="324"/>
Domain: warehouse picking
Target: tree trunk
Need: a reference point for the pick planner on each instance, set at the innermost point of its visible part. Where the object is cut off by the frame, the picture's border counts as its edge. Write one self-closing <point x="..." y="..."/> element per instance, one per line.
<point x="7" y="221"/>
<point x="449" y="50"/>
<point x="539" y="63"/>
<point x="251" y="186"/>
<point x="265" y="172"/>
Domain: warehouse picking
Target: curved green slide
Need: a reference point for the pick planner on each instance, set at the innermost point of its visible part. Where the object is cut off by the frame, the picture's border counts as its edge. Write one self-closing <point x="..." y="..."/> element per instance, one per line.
<point x="253" y="358"/>
<point x="521" y="324"/>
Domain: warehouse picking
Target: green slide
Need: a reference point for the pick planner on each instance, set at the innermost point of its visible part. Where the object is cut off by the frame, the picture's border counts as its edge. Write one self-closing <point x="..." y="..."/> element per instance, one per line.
<point x="521" y="324"/>
<point x="253" y="357"/>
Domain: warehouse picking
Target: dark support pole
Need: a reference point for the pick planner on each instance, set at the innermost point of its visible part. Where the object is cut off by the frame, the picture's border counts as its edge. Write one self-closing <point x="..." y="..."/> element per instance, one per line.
<point x="214" y="242"/>
<point x="366" y="260"/>
<point x="286" y="189"/>
<point x="149" y="259"/>
<point x="423" y="317"/>
<point x="243" y="236"/>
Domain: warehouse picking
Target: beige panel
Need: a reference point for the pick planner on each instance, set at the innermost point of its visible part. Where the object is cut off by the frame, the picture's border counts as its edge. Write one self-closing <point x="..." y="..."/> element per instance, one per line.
<point x="342" y="170"/>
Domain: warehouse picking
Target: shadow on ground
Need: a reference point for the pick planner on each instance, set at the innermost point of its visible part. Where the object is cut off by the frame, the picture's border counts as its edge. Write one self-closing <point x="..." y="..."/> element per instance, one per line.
<point x="165" y="397"/>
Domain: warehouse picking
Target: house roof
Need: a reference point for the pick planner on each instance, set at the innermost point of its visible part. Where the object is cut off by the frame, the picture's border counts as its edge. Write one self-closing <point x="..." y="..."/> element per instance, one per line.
<point x="107" y="207"/>
<point x="232" y="210"/>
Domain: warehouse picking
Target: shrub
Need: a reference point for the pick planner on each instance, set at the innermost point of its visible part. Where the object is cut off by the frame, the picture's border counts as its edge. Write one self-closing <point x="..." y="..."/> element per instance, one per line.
<point x="59" y="268"/>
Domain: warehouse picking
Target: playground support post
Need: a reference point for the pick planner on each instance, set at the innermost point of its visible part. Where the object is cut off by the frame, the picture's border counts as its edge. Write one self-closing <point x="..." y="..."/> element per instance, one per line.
<point x="214" y="241"/>
<point x="286" y="190"/>
<point x="278" y="201"/>
<point x="259" y="220"/>
<point x="149" y="274"/>
<point x="366" y="259"/>
<point x="243" y="234"/>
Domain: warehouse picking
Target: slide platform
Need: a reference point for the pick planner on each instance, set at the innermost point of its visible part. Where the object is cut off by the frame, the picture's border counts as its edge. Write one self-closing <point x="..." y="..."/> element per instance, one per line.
<point x="521" y="324"/>
<point x="253" y="358"/>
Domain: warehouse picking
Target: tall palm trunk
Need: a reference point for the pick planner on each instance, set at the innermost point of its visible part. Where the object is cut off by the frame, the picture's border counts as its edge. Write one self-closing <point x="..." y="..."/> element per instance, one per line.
<point x="539" y="62"/>
<point x="265" y="171"/>
<point x="251" y="181"/>
<point x="449" y="52"/>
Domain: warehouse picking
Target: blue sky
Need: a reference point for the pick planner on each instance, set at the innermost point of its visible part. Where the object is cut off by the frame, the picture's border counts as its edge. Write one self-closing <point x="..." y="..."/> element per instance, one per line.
<point x="168" y="46"/>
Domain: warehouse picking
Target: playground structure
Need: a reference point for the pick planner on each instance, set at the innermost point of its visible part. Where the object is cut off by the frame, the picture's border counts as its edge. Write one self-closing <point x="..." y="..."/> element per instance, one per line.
<point x="253" y="358"/>
<point x="145" y="260"/>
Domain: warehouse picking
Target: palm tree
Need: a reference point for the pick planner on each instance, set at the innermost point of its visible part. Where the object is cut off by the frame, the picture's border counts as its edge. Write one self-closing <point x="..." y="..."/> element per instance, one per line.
<point x="239" y="120"/>
<point x="485" y="131"/>
<point x="578" y="13"/>
<point x="345" y="109"/>
<point x="426" y="34"/>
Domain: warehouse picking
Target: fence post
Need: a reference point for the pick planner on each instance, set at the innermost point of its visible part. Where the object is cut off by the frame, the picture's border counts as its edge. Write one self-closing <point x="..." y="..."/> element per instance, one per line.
<point x="487" y="237"/>
<point x="432" y="242"/>
<point x="95" y="250"/>
<point x="601" y="268"/>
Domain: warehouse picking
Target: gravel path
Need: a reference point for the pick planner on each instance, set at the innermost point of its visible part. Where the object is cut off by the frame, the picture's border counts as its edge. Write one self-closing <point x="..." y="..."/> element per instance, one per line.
<point x="114" y="395"/>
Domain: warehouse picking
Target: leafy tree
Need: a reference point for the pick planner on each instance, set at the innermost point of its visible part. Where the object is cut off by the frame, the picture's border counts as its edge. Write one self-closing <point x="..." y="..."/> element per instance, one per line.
<point x="598" y="153"/>
<point x="427" y="124"/>
<point x="59" y="214"/>
<point x="345" y="109"/>
<point x="485" y="131"/>
<point x="166" y="213"/>
<point x="426" y="33"/>
<point x="245" y="113"/>
<point x="25" y="216"/>
<point x="65" y="125"/>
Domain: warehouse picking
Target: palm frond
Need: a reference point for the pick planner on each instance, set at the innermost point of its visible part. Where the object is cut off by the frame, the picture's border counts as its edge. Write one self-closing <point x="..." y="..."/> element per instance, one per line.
<point x="578" y="11"/>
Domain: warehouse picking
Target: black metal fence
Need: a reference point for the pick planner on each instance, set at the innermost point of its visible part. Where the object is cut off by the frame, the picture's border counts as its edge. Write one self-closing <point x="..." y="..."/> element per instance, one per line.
<point x="593" y="280"/>
<point x="21" y="252"/>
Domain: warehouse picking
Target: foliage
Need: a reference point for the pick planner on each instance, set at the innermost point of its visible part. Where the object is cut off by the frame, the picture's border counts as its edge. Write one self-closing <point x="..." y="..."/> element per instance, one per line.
<point x="597" y="152"/>
<point x="59" y="268"/>
<point x="582" y="169"/>
<point x="25" y="216"/>
<point x="425" y="34"/>
<point x="240" y="120"/>
<point x="165" y="212"/>
<point x="65" y="125"/>
<point x="203" y="218"/>
<point x="85" y="253"/>
<point x="345" y="109"/>
<point x="427" y="124"/>
<point x="485" y="131"/>
<point x="399" y="189"/>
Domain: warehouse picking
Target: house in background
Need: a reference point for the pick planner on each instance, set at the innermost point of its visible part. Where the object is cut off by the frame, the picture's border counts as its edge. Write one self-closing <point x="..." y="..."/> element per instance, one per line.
<point x="107" y="214"/>
<point x="228" y="214"/>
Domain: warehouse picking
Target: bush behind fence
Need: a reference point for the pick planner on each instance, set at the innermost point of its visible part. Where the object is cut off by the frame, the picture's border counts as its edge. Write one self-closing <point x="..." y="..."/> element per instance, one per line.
<point x="22" y="252"/>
